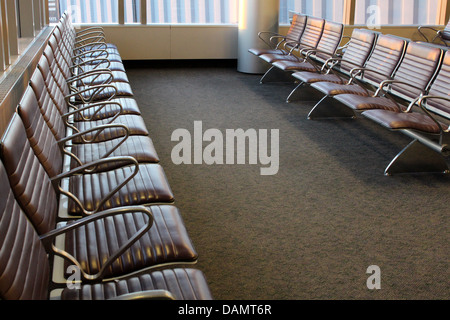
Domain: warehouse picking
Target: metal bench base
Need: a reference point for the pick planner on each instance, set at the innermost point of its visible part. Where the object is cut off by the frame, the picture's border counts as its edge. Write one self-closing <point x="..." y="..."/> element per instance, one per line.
<point x="417" y="158"/>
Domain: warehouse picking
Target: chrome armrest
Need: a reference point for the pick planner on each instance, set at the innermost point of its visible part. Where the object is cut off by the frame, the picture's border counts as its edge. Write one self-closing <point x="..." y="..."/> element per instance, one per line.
<point x="125" y="160"/>
<point x="87" y="30"/>
<point x="96" y="89"/>
<point x="90" y="54"/>
<point x="89" y="40"/>
<point x="393" y="81"/>
<point x="48" y="238"/>
<point x="95" y="73"/>
<point x="101" y="105"/>
<point x="96" y="62"/>
<point x="79" y="134"/>
<point x="422" y="104"/>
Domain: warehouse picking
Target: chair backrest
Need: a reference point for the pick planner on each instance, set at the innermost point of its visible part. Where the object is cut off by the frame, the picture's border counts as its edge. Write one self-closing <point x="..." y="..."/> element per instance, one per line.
<point x="418" y="68"/>
<point x="330" y="39"/>
<point x="29" y="181"/>
<point x="440" y="87"/>
<point x="49" y="109"/>
<point x="358" y="49"/>
<point x="24" y="265"/>
<point x="296" y="28"/>
<point x="41" y="139"/>
<point x="313" y="31"/>
<point x="385" y="57"/>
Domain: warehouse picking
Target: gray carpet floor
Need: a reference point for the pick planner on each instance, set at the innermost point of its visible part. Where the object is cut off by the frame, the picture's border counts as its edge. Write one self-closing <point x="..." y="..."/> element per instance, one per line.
<point x="312" y="230"/>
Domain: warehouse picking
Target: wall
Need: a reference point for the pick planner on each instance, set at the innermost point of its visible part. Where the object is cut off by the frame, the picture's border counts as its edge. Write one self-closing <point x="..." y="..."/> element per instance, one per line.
<point x="198" y="41"/>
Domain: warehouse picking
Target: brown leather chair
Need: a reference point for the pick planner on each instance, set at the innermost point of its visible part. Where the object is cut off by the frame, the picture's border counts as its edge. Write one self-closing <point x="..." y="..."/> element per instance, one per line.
<point x="427" y="121"/>
<point x="309" y="40"/>
<point x="282" y="44"/>
<point x="88" y="191"/>
<point x="356" y="52"/>
<point x="412" y="78"/>
<point x="313" y="59"/>
<point x="165" y="242"/>
<point x="25" y="268"/>
<point x="139" y="147"/>
<point x="381" y="65"/>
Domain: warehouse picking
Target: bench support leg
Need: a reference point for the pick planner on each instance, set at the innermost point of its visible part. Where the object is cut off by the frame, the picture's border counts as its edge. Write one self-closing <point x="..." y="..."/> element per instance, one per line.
<point x="304" y="92"/>
<point x="417" y="158"/>
<point x="275" y="74"/>
<point x="328" y="107"/>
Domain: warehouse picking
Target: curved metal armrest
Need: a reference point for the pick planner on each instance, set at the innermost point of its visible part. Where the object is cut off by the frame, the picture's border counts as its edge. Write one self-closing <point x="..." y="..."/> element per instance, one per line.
<point x="330" y="63"/>
<point x="89" y="33"/>
<point x="125" y="160"/>
<point x="101" y="105"/>
<point x="147" y="295"/>
<point x="392" y="81"/>
<point x="90" y="46"/>
<point x="92" y="62"/>
<point x="86" y="30"/>
<point x="92" y="73"/>
<point x="423" y="35"/>
<point x="62" y="143"/>
<point x="422" y="105"/>
<point x="89" y="40"/>
<point x="48" y="238"/>
<point x="271" y="35"/>
<point x="96" y="89"/>
<point x="362" y="70"/>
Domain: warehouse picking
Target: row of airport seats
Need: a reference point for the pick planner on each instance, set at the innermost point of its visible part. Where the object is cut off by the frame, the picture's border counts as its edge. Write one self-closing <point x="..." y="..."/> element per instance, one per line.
<point x="434" y="36"/>
<point x="398" y="83"/>
<point x="86" y="211"/>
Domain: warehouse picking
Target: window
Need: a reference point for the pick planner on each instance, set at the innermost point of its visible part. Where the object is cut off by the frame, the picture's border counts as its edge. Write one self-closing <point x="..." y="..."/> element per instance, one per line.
<point x="397" y="12"/>
<point x="328" y="9"/>
<point x="157" y="11"/>
<point x="132" y="11"/>
<point x="192" y="11"/>
<point x="90" y="11"/>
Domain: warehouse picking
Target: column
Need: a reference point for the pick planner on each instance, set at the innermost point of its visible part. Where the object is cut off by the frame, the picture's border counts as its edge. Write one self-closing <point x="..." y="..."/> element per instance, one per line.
<point x="255" y="16"/>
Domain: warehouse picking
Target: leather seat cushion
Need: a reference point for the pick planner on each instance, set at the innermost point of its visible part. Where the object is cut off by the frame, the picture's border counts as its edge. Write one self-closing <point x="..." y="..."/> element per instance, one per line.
<point x="288" y="65"/>
<point x="184" y="284"/>
<point x="312" y="77"/>
<point x="129" y="106"/>
<point x="357" y="102"/>
<point x="167" y="241"/>
<point x="395" y="120"/>
<point x="139" y="147"/>
<point x="149" y="185"/>
<point x="333" y="89"/>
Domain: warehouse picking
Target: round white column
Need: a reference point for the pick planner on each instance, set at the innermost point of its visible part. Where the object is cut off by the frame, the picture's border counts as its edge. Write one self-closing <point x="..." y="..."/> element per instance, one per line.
<point x="255" y="16"/>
